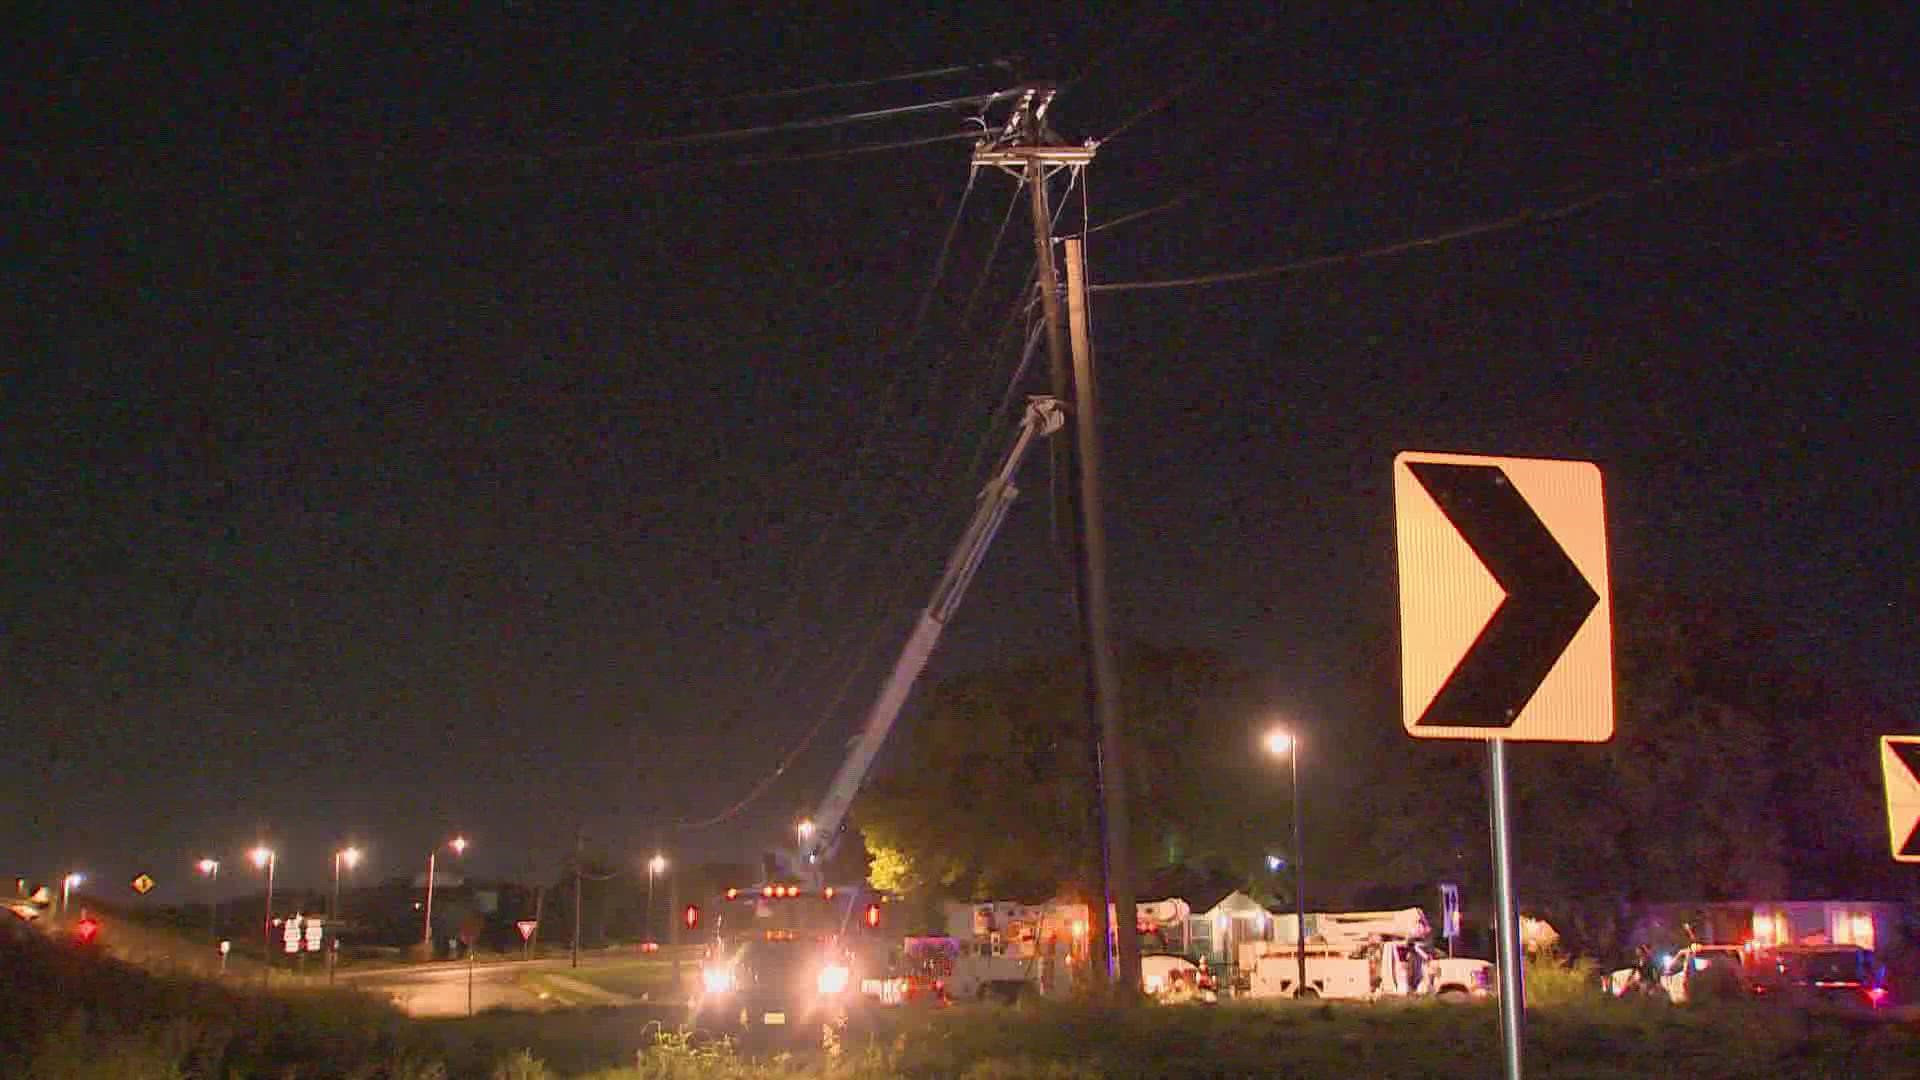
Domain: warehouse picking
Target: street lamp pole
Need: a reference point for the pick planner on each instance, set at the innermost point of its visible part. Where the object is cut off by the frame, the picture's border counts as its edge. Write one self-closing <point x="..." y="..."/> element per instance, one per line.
<point x="264" y="857"/>
<point x="459" y="845"/>
<point x="654" y="866"/>
<point x="210" y="869"/>
<point x="66" y="890"/>
<point x="1299" y="872"/>
<point x="1283" y="742"/>
<point x="351" y="855"/>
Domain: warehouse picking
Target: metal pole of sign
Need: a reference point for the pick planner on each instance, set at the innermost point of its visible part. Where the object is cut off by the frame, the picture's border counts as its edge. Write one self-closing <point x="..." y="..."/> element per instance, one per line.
<point x="1512" y="985"/>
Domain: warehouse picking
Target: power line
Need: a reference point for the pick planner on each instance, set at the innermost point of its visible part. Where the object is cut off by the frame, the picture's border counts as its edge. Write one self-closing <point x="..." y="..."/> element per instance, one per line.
<point x="816" y="123"/>
<point x="1151" y="26"/>
<point x="842" y="505"/>
<point x="1512" y="221"/>
<point x="1205" y="70"/>
<point x="856" y="84"/>
<point x="1184" y="197"/>
<point x="902" y="582"/>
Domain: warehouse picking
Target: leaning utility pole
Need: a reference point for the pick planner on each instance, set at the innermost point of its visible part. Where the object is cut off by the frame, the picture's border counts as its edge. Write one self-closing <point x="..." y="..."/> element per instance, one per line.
<point x="1028" y="148"/>
<point x="1103" y="682"/>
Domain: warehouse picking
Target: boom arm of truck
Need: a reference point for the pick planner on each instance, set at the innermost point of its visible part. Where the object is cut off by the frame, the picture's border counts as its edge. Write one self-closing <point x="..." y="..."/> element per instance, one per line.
<point x="1043" y="417"/>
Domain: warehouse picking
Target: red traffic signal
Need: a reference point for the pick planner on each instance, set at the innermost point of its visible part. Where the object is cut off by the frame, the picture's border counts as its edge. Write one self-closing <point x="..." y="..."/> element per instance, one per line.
<point x="873" y="915"/>
<point x="87" y="930"/>
<point x="691" y="916"/>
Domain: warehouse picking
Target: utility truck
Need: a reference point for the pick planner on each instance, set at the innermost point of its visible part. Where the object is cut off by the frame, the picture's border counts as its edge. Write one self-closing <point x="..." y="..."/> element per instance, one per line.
<point x="1361" y="956"/>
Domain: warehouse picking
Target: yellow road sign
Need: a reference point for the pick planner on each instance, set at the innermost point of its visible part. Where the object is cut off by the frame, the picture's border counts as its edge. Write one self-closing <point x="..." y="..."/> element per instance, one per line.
<point x="1506" y="616"/>
<point x="1900" y="759"/>
<point x="143" y="884"/>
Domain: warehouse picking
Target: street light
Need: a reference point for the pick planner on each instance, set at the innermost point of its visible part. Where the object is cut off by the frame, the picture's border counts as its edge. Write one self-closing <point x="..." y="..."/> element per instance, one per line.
<point x="655" y="865"/>
<point x="263" y="858"/>
<point x="805" y="829"/>
<point x="351" y="856"/>
<point x="459" y="846"/>
<point x="1281" y="743"/>
<point x="210" y="869"/>
<point x="66" y="888"/>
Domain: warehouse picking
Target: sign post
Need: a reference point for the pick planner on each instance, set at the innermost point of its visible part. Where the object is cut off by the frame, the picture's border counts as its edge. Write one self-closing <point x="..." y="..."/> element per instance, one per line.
<point x="526" y="928"/>
<point x="1506" y="633"/>
<point x="1449" y="914"/>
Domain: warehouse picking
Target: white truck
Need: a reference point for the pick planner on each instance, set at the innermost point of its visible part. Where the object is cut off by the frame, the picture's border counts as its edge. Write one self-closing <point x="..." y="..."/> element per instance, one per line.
<point x="1361" y="956"/>
<point x="997" y="951"/>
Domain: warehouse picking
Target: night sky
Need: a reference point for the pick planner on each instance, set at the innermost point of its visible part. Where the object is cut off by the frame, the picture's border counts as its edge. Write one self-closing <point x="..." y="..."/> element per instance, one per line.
<point x="406" y="432"/>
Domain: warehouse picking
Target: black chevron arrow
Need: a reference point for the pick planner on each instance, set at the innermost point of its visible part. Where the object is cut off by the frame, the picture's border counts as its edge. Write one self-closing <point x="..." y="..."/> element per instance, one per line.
<point x="1909" y="755"/>
<point x="1547" y="600"/>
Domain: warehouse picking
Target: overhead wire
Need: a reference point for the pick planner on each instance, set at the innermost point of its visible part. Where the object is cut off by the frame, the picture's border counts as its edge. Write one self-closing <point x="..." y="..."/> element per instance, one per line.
<point x="1093" y="64"/>
<point x="1184" y="197"/>
<point x="843" y="504"/>
<point x="857" y="84"/>
<point x="1517" y="220"/>
<point x="894" y="571"/>
<point x="881" y="621"/>
<point x="818" y="123"/>
<point x="923" y="305"/>
<point x="1295" y="87"/>
<point x="1214" y="60"/>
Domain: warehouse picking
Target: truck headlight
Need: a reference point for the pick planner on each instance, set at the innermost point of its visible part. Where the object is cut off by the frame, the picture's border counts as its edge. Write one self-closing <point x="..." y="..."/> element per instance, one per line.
<point x="833" y="978"/>
<point x="717" y="980"/>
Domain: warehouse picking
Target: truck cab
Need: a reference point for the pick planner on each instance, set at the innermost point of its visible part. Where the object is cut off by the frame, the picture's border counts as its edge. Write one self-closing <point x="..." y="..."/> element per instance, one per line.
<point x="784" y="961"/>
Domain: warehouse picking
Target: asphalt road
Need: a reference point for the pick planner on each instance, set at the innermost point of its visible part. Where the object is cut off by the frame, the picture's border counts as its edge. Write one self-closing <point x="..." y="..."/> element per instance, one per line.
<point x="440" y="989"/>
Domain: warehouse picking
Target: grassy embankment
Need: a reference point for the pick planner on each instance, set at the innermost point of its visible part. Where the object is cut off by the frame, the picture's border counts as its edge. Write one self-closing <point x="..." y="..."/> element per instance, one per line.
<point x="67" y="1014"/>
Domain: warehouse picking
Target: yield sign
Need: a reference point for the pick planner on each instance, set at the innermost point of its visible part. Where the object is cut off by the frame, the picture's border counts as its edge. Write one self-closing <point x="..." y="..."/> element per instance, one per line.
<point x="1506" y="624"/>
<point x="1900" y="757"/>
<point x="526" y="927"/>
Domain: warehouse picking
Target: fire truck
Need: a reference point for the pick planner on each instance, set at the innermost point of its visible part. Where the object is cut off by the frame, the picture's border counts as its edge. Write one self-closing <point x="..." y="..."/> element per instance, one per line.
<point x="1361" y="956"/>
<point x="787" y="958"/>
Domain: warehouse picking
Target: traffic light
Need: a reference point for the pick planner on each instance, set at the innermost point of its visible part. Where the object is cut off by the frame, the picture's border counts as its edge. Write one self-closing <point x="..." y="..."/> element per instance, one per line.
<point x="873" y="916"/>
<point x="87" y="930"/>
<point x="691" y="917"/>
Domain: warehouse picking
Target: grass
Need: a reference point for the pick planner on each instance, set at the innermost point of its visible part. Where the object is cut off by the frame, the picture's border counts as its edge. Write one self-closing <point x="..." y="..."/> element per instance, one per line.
<point x="653" y="978"/>
<point x="72" y="1014"/>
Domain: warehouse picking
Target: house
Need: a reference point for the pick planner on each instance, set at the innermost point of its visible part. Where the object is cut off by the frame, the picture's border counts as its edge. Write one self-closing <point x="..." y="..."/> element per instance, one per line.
<point x="1876" y="925"/>
<point x="1199" y="913"/>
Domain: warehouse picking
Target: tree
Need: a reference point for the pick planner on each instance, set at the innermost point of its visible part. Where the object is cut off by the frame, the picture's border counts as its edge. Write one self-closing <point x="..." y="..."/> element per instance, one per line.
<point x="995" y="797"/>
<point x="1730" y="777"/>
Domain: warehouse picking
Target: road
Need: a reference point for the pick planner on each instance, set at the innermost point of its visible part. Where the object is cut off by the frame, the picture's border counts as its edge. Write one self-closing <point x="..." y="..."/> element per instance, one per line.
<point x="440" y="989"/>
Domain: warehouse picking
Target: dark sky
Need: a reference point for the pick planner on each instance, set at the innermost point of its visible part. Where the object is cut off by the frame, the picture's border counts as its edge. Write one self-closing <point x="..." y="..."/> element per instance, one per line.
<point x="401" y="437"/>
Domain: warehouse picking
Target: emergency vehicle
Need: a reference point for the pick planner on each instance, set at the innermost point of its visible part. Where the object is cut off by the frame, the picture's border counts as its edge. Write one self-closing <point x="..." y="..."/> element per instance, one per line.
<point x="1361" y="956"/>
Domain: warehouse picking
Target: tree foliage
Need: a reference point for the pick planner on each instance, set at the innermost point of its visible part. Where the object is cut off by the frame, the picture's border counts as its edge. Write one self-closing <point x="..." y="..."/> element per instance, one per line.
<point x="994" y="796"/>
<point x="1730" y="777"/>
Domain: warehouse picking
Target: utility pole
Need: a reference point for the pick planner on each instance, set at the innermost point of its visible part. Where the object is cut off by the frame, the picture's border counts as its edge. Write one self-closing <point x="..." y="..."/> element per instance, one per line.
<point x="1103" y="683"/>
<point x="1029" y="149"/>
<point x="539" y="908"/>
<point x="579" y="849"/>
